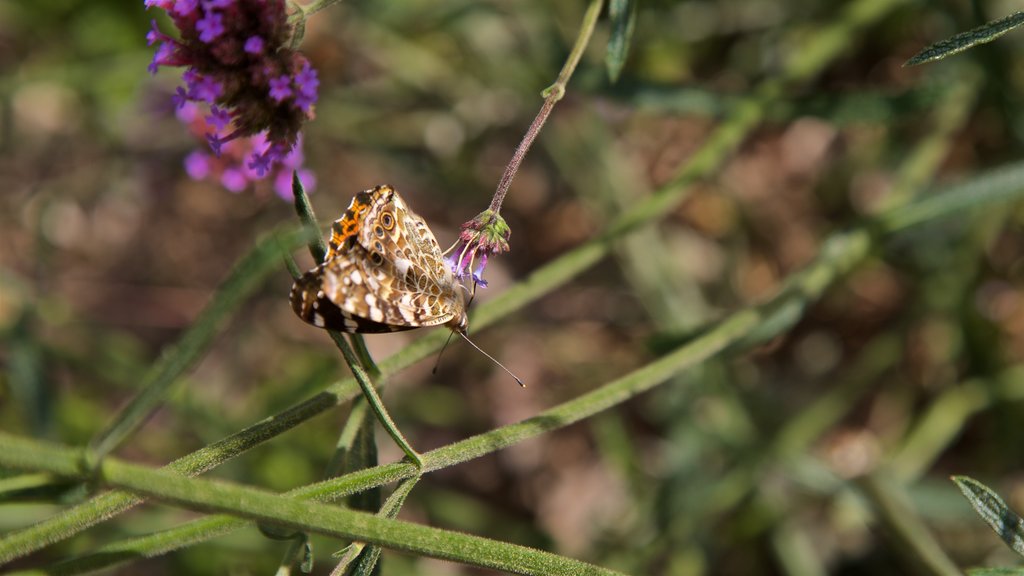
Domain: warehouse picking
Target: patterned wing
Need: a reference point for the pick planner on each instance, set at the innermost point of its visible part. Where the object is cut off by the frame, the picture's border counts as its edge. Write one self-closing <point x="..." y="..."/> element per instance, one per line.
<point x="384" y="272"/>
<point x="328" y="297"/>
<point x="348" y="226"/>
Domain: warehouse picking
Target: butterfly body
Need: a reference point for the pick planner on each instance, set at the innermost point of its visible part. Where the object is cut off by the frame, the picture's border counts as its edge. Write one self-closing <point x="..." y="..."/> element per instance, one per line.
<point x="384" y="272"/>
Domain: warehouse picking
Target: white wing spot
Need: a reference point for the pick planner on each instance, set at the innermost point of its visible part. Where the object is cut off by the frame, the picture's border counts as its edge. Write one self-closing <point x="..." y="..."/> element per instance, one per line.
<point x="402" y="266"/>
<point x="318" y="321"/>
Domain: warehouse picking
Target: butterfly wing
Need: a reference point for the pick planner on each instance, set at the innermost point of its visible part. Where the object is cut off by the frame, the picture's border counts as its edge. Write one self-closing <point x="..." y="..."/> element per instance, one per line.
<point x="384" y="272"/>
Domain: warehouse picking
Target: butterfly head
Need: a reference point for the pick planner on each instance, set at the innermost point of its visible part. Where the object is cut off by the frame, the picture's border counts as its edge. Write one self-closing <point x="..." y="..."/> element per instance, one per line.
<point x="459" y="323"/>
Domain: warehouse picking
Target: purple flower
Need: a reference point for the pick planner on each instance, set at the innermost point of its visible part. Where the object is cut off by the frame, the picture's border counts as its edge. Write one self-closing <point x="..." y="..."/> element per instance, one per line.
<point x="306" y="82"/>
<point x="254" y="45"/>
<point x="197" y="165"/>
<point x="180" y="97"/>
<point x="219" y="118"/>
<point x="187" y="112"/>
<point x="210" y="27"/>
<point x="184" y="7"/>
<point x="280" y="88"/>
<point x="482" y="236"/>
<point x="216" y="143"/>
<point x="163" y="57"/>
<point x="260" y="163"/>
<point x="234" y="180"/>
<point x="206" y="89"/>
<point x="154" y="35"/>
<point x="240" y="67"/>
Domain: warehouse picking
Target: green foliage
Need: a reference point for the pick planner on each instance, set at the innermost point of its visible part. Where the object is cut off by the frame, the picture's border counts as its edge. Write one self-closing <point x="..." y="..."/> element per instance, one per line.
<point x="622" y="14"/>
<point x="766" y="288"/>
<point x="1006" y="523"/>
<point x="964" y="40"/>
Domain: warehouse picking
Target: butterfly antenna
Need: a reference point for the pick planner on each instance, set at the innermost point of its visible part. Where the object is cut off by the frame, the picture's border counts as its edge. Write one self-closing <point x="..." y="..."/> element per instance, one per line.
<point x="480" y="350"/>
<point x="443" y="348"/>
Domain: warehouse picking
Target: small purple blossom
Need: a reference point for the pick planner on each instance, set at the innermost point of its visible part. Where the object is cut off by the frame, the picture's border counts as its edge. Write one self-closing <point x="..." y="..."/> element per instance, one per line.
<point x="217" y="4"/>
<point x="162" y="57"/>
<point x="219" y="118"/>
<point x="307" y="81"/>
<point x="197" y="165"/>
<point x="234" y="179"/>
<point x="260" y="163"/>
<point x="206" y="89"/>
<point x="187" y="112"/>
<point x="280" y="88"/>
<point x="216" y="143"/>
<point x="210" y="27"/>
<point x="180" y="97"/>
<point x="154" y="35"/>
<point x="254" y="45"/>
<point x="184" y="7"/>
<point x="482" y="236"/>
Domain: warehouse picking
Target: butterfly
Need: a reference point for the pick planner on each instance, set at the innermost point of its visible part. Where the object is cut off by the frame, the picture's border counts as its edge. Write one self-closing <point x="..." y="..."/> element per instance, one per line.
<point x="384" y="272"/>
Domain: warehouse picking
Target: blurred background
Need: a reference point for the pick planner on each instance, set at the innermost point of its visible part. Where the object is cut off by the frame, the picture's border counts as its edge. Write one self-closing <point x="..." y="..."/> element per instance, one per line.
<point x="746" y="465"/>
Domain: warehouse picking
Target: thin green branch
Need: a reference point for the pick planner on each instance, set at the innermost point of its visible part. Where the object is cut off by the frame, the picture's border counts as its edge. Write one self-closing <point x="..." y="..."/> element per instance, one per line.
<point x="915" y="542"/>
<point x="208" y="495"/>
<point x="247" y="275"/>
<point x="110" y="504"/>
<point x="369" y="556"/>
<point x="552" y="94"/>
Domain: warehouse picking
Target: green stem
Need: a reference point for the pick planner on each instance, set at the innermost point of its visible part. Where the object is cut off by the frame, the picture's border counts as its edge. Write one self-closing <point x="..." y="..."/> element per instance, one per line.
<point x="247" y="275"/>
<point x="208" y="495"/>
<point x="374" y="399"/>
<point x="552" y="94"/>
<point x="914" y="541"/>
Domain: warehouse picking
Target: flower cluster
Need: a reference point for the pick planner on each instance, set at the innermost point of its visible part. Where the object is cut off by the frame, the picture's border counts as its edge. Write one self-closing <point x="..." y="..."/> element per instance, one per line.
<point x="238" y="66"/>
<point x="482" y="236"/>
<point x="230" y="167"/>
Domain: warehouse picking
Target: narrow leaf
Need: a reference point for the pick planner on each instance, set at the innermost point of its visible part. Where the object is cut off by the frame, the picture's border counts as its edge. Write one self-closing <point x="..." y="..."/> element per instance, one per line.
<point x="317" y="246"/>
<point x="1007" y="524"/>
<point x="964" y="40"/>
<point x="622" y="14"/>
<point x="247" y="275"/>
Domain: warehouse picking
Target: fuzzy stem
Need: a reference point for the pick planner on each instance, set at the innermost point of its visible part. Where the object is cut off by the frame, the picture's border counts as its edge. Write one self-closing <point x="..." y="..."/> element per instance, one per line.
<point x="552" y="94"/>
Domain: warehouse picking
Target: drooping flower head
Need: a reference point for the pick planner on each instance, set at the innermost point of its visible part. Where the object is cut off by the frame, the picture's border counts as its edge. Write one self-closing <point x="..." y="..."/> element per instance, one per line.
<point x="482" y="236"/>
<point x="239" y="67"/>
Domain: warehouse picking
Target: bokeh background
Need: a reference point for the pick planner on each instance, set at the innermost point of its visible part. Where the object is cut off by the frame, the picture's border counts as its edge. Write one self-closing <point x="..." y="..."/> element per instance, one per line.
<point x="109" y="251"/>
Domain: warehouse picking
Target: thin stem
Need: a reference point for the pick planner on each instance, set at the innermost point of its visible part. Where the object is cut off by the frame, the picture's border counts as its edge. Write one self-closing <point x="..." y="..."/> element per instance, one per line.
<point x="552" y="94"/>
<point x="260" y="505"/>
<point x="373" y="398"/>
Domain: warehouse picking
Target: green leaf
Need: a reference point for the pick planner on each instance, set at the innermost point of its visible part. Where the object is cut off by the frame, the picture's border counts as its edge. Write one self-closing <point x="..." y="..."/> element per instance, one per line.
<point x="622" y="14"/>
<point x="245" y="278"/>
<point x="964" y="40"/>
<point x="1007" y="524"/>
<point x="996" y="572"/>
